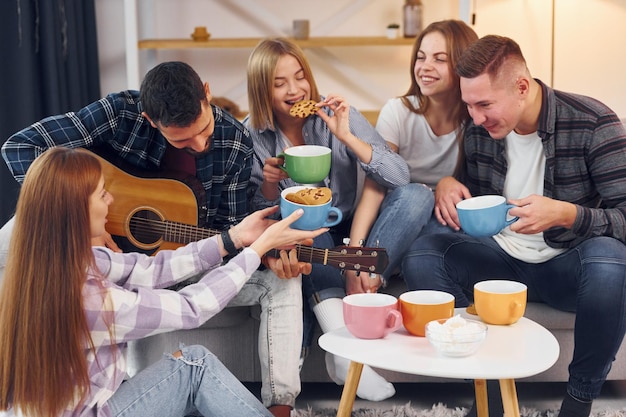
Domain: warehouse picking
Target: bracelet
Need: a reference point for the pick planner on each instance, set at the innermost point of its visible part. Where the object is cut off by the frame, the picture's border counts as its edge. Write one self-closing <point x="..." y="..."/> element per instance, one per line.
<point x="229" y="246"/>
<point x="234" y="235"/>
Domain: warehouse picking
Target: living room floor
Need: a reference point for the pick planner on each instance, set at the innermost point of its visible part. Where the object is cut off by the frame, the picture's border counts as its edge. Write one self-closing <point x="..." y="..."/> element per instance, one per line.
<point x="537" y="395"/>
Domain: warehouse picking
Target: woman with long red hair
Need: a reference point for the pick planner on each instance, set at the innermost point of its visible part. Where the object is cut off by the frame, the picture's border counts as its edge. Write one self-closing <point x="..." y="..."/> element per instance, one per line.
<point x="67" y="309"/>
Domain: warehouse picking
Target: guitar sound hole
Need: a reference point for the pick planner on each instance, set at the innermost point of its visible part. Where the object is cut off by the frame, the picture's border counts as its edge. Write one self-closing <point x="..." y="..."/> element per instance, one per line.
<point x="145" y="227"/>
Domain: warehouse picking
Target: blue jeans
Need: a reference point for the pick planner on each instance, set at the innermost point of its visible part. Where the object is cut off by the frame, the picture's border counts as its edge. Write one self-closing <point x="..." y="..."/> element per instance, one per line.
<point x="589" y="279"/>
<point x="197" y="382"/>
<point x="403" y="214"/>
<point x="280" y="335"/>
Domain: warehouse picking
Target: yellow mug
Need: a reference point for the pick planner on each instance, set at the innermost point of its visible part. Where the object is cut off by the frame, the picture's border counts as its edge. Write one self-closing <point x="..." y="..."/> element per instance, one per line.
<point x="500" y="301"/>
<point x="422" y="306"/>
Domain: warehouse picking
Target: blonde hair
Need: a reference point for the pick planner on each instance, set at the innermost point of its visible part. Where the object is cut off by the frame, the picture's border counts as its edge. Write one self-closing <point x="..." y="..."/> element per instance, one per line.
<point x="43" y="328"/>
<point x="261" y="72"/>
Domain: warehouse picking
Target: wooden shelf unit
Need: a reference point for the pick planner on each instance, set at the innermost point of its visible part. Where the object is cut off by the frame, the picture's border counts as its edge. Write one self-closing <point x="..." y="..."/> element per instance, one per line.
<point x="319" y="42"/>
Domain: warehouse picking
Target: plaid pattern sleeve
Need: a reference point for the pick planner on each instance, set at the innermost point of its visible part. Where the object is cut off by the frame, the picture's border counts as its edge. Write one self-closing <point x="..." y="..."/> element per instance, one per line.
<point x="95" y="124"/>
<point x="136" y="311"/>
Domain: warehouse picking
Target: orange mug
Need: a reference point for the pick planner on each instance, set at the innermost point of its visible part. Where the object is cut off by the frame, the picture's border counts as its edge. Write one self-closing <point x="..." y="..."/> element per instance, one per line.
<point x="422" y="306"/>
<point x="500" y="301"/>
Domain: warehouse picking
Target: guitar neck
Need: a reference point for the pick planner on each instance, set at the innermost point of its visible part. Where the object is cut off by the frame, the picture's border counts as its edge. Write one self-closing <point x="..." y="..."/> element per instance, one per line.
<point x="183" y="234"/>
<point x="305" y="254"/>
<point x="355" y="258"/>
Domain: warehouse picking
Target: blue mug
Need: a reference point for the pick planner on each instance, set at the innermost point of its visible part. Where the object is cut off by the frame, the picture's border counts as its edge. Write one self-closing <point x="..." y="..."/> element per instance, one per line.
<point x="485" y="215"/>
<point x="314" y="217"/>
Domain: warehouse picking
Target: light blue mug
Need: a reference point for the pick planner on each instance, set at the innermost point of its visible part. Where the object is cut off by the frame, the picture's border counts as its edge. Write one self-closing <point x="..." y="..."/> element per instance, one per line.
<point x="314" y="217"/>
<point x="485" y="215"/>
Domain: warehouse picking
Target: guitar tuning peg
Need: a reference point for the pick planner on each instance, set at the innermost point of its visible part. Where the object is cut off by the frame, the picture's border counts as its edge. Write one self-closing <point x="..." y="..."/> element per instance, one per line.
<point x="377" y="243"/>
<point x="346" y="241"/>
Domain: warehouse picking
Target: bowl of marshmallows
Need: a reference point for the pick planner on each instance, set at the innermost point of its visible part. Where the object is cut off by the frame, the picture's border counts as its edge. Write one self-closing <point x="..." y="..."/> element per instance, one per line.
<point x="456" y="336"/>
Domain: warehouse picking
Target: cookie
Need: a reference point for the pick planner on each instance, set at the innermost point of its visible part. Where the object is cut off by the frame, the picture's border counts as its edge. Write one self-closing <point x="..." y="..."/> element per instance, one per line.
<point x="304" y="108"/>
<point x="311" y="196"/>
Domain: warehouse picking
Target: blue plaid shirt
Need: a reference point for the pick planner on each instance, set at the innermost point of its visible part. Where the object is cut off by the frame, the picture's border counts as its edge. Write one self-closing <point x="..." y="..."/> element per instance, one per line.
<point x="116" y="124"/>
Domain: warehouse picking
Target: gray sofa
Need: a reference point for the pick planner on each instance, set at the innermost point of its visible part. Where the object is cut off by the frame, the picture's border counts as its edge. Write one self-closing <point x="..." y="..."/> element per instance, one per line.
<point x="232" y="336"/>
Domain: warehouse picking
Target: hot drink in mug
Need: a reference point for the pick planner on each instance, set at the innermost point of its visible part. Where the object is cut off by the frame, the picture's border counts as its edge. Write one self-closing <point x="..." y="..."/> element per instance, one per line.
<point x="306" y="164"/>
<point x="485" y="215"/>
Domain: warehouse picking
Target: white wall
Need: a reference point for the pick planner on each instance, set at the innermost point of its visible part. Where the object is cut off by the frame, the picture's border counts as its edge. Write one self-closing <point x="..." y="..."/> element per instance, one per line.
<point x="588" y="58"/>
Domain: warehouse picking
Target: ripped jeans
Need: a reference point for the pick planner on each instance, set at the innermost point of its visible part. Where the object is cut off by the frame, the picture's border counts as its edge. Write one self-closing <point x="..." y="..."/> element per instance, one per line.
<point x="197" y="383"/>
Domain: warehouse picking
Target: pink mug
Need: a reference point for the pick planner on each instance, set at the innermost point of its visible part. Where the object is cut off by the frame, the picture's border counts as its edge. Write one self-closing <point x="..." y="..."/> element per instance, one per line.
<point x="371" y="315"/>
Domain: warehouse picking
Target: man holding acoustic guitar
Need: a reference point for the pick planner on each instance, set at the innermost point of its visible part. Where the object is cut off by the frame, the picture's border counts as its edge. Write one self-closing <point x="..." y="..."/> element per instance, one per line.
<point x="170" y="126"/>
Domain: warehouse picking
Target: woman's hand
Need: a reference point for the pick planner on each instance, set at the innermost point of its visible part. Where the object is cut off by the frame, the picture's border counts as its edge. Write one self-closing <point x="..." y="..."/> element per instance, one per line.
<point x="279" y="234"/>
<point x="339" y="122"/>
<point x="271" y="172"/>
<point x="107" y="241"/>
<point x="339" y="125"/>
<point x="272" y="175"/>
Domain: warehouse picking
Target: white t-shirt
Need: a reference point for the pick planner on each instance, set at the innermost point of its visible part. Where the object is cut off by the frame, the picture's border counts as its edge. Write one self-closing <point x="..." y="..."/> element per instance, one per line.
<point x="524" y="176"/>
<point x="429" y="157"/>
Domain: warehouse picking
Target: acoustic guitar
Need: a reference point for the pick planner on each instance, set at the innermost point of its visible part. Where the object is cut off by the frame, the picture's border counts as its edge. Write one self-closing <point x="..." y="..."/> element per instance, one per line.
<point x="162" y="213"/>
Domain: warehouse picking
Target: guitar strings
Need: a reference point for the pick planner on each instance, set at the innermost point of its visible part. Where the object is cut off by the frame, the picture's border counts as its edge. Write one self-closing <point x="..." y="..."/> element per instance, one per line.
<point x="144" y="228"/>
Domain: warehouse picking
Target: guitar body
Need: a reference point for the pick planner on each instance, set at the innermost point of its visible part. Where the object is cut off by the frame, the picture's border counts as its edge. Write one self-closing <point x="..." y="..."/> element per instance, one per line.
<point x="150" y="214"/>
<point x="136" y="199"/>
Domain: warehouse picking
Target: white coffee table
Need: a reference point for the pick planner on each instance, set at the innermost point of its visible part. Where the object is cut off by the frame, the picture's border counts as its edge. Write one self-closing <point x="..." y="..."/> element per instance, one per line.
<point x="509" y="352"/>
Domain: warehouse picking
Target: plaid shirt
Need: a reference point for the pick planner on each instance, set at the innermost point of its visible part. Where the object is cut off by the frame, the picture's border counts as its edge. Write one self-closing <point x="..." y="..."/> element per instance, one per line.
<point x="585" y="147"/>
<point x="131" y="292"/>
<point x="116" y="124"/>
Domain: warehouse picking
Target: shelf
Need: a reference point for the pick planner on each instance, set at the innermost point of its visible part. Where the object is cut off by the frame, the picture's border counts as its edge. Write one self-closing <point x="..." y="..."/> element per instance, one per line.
<point x="320" y="42"/>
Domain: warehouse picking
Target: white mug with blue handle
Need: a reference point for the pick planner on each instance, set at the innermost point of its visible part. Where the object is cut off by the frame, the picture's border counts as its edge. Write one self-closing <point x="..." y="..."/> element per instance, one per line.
<point x="485" y="215"/>
<point x="314" y="217"/>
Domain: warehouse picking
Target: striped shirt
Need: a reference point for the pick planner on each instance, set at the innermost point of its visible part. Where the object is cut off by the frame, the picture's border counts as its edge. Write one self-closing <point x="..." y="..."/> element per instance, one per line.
<point x="386" y="167"/>
<point x="115" y="123"/>
<point x="585" y="148"/>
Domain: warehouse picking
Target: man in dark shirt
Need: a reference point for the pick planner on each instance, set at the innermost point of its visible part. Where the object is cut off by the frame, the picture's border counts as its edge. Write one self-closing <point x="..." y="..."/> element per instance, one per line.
<point x="561" y="159"/>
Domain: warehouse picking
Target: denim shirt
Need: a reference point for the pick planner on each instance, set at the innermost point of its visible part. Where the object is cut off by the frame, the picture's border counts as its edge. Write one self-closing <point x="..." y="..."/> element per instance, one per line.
<point x="386" y="167"/>
<point x="585" y="147"/>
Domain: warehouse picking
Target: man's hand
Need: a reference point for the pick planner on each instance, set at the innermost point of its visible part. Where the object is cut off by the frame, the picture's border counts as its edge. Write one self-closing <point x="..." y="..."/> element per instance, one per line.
<point x="449" y="191"/>
<point x="107" y="241"/>
<point x="361" y="283"/>
<point x="538" y="213"/>
<point x="288" y="266"/>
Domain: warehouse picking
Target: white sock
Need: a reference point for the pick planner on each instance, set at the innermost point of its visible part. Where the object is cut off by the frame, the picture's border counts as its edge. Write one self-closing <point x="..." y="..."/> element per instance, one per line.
<point x="372" y="386"/>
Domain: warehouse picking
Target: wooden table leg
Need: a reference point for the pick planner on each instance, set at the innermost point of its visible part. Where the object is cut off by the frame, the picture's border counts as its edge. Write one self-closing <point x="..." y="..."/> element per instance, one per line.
<point x="509" y="398"/>
<point x="349" y="389"/>
<point x="482" y="403"/>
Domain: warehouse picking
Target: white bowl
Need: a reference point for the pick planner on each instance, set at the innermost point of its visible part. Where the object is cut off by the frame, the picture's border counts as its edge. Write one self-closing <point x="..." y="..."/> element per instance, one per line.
<point x="456" y="336"/>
